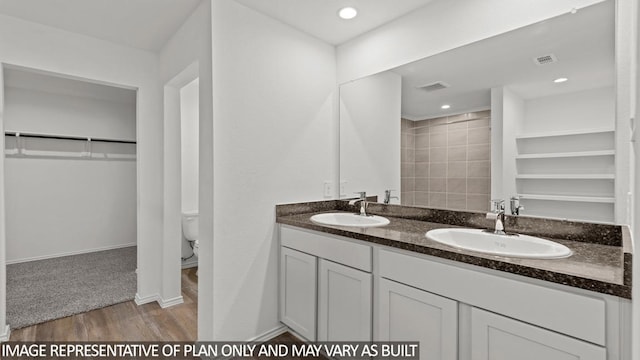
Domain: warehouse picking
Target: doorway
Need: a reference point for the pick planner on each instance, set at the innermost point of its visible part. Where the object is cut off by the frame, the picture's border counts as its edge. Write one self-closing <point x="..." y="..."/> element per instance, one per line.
<point x="181" y="209"/>
<point x="70" y="169"/>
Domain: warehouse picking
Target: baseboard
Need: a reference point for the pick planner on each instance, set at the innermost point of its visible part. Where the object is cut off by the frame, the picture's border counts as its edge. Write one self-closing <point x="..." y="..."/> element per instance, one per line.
<point x="171" y="302"/>
<point x="297" y="336"/>
<point x="6" y="334"/>
<point x="69" y="253"/>
<point x="279" y="330"/>
<point x="266" y="336"/>
<point x="139" y="300"/>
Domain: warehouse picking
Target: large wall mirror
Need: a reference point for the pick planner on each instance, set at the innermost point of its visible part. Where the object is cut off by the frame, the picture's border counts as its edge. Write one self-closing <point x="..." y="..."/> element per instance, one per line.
<point x="528" y="113"/>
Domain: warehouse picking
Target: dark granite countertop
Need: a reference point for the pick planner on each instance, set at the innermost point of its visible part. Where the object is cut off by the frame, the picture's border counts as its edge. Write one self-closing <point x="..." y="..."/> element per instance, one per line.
<point x="601" y="259"/>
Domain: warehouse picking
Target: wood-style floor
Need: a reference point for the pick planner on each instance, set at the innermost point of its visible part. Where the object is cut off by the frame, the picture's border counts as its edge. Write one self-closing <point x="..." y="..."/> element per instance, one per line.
<point x="125" y="321"/>
<point x="129" y="322"/>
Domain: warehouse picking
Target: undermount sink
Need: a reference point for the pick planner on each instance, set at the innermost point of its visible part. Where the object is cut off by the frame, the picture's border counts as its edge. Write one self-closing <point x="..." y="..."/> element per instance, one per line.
<point x="522" y="246"/>
<point x="349" y="219"/>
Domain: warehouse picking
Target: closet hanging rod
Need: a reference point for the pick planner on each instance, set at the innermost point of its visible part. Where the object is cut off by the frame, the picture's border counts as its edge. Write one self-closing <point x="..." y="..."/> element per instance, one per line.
<point x="65" y="137"/>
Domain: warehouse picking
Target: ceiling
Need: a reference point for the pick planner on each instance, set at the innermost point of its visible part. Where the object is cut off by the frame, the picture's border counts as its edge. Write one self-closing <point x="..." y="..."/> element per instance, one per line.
<point x="148" y="24"/>
<point x="583" y="44"/>
<point x="319" y="17"/>
<point x="142" y="24"/>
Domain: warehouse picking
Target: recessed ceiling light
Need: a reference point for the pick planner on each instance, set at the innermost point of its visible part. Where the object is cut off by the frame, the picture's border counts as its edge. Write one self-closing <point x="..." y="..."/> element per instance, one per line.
<point x="445" y="107"/>
<point x="347" y="13"/>
<point x="560" y="80"/>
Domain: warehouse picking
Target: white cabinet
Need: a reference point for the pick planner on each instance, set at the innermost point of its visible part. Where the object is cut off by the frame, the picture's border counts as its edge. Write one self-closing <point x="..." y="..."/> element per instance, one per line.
<point x="577" y="315"/>
<point x="298" y="291"/>
<point x="410" y="314"/>
<point x="456" y="311"/>
<point x="495" y="337"/>
<point x="344" y="303"/>
<point x="325" y="286"/>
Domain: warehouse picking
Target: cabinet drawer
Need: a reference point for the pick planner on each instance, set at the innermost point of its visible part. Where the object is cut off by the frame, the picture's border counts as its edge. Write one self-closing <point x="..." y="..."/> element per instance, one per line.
<point x="328" y="247"/>
<point x="576" y="315"/>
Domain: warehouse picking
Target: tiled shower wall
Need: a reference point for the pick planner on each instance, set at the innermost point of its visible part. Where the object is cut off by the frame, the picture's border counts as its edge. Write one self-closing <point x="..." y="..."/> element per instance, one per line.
<point x="446" y="162"/>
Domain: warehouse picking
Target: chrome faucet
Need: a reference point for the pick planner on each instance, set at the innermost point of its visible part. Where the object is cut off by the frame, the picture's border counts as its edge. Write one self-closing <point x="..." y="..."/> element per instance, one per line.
<point x="515" y="205"/>
<point x="497" y="214"/>
<point x="388" y="197"/>
<point x="363" y="202"/>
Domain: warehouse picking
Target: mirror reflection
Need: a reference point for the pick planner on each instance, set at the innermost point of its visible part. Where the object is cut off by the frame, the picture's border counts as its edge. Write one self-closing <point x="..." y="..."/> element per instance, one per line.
<point x="528" y="114"/>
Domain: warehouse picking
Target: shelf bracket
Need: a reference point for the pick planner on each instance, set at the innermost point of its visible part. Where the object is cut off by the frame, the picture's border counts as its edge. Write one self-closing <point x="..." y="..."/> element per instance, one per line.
<point x="87" y="148"/>
<point x="19" y="145"/>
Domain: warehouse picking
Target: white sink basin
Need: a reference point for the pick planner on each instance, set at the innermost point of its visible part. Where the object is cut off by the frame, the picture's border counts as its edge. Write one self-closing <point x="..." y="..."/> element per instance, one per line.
<point x="522" y="246"/>
<point x="348" y="219"/>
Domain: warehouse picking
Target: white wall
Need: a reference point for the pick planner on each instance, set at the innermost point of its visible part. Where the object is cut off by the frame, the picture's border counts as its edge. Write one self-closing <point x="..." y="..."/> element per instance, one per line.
<point x="4" y="328"/>
<point x="189" y="143"/>
<point x="513" y="117"/>
<point x="588" y="109"/>
<point x="61" y="206"/>
<point x="44" y="112"/>
<point x="635" y="188"/>
<point x="439" y="26"/>
<point x="497" y="115"/>
<point x="273" y="139"/>
<point x="370" y="111"/>
<point x="41" y="47"/>
<point x="186" y="56"/>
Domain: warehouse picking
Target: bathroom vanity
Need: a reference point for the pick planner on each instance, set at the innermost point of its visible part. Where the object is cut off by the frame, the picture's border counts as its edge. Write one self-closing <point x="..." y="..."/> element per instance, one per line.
<point x="391" y="283"/>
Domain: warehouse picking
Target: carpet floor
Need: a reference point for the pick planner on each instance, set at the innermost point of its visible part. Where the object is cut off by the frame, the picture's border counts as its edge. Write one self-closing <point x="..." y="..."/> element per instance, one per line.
<point x="43" y="290"/>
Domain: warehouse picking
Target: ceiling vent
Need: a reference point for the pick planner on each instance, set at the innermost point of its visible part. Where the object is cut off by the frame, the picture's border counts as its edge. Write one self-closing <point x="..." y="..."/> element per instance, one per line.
<point x="434" y="86"/>
<point x="545" y="59"/>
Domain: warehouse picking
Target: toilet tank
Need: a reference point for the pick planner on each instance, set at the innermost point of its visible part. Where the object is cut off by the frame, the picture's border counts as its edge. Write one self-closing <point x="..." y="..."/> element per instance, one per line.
<point x="190" y="225"/>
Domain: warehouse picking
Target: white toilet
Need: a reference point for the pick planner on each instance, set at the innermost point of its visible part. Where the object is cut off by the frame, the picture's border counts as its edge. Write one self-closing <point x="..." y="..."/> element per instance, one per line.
<point x="190" y="229"/>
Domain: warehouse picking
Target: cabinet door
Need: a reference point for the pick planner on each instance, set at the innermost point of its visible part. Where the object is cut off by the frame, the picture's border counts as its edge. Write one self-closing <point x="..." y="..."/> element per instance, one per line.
<point x="495" y="337"/>
<point x="298" y="291"/>
<point x="410" y="314"/>
<point x="344" y="303"/>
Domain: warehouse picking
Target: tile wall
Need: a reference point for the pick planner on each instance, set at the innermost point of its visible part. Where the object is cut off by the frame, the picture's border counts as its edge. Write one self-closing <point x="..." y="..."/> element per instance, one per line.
<point x="446" y="162"/>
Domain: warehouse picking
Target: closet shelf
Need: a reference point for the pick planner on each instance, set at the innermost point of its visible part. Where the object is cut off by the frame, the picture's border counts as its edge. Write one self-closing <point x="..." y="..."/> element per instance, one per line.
<point x="563" y="133"/>
<point x="567" y="154"/>
<point x="591" y="199"/>
<point x="65" y="137"/>
<point x="565" y="177"/>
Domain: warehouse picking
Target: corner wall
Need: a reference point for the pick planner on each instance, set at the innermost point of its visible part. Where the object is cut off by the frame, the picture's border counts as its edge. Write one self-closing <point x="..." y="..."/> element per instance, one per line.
<point x="189" y="143"/>
<point x="273" y="136"/>
<point x="635" y="185"/>
<point x="370" y="154"/>
<point x="587" y="109"/>
<point x="189" y="52"/>
<point x="4" y="328"/>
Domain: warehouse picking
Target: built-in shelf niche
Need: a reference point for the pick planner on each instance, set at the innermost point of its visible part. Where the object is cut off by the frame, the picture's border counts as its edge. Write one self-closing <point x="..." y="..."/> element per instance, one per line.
<point x="567" y="174"/>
